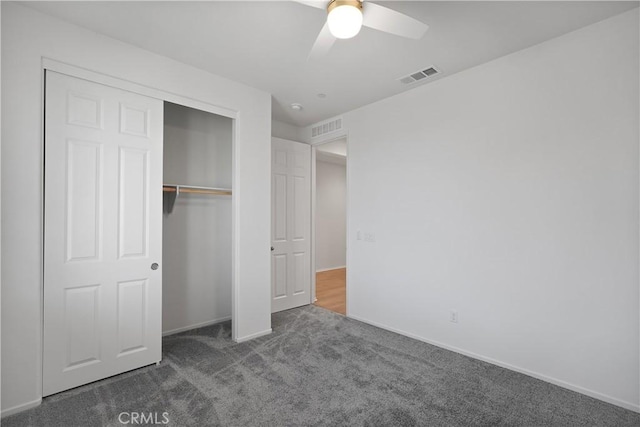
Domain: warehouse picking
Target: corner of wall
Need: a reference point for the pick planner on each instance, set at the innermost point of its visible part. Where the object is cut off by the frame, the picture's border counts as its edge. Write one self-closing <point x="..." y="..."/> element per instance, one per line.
<point x="287" y="131"/>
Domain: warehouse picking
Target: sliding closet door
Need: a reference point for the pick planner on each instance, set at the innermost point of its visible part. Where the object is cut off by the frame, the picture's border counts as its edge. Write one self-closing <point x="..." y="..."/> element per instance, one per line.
<point x="103" y="232"/>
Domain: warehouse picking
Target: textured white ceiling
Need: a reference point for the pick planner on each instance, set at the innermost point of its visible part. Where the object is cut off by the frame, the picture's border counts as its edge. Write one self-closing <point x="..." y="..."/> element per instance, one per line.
<point x="265" y="44"/>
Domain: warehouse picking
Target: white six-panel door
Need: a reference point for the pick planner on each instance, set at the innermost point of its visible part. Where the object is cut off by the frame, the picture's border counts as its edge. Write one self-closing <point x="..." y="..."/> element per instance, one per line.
<point x="103" y="232"/>
<point x="290" y="224"/>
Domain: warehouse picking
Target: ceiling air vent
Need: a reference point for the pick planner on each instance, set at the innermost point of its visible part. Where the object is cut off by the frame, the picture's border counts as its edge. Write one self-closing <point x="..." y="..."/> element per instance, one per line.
<point x="324" y="128"/>
<point x="419" y="75"/>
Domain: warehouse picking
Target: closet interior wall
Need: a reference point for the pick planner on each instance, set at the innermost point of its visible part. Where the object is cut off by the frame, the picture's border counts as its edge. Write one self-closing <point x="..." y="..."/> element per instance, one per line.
<point x="197" y="232"/>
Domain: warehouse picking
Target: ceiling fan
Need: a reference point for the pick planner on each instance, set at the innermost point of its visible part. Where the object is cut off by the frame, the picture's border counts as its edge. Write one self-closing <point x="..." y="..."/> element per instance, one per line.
<point x="346" y="17"/>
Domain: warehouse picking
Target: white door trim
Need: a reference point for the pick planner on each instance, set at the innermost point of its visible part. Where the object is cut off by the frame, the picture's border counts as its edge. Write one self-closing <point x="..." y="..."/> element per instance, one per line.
<point x="314" y="148"/>
<point x="313" y="225"/>
<point x="83" y="73"/>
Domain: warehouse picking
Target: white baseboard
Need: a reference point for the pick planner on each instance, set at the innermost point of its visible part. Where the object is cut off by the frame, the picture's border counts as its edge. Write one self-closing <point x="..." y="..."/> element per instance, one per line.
<point x="21" y="407"/>
<point x="596" y="395"/>
<point x="330" y="268"/>
<point x="253" y="336"/>
<point x="194" y="326"/>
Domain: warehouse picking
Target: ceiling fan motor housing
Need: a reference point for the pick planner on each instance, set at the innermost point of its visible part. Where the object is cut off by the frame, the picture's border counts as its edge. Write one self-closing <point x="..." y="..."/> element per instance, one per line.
<point x="335" y="3"/>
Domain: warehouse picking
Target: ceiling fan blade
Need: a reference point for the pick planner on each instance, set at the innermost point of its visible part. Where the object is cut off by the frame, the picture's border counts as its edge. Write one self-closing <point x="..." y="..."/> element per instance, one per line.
<point x="388" y="20"/>
<point x="316" y="4"/>
<point x="322" y="44"/>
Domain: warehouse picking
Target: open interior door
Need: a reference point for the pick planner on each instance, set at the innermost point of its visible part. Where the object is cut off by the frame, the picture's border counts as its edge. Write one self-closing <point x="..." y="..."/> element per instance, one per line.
<point x="290" y="224"/>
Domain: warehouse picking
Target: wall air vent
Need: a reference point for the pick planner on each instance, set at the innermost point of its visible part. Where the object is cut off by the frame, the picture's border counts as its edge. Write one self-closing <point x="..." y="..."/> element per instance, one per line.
<point x="327" y="127"/>
<point x="419" y="75"/>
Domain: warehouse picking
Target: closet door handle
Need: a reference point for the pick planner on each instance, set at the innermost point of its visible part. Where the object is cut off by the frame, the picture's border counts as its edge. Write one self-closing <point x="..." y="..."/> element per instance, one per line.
<point x="154" y="266"/>
<point x="272" y="248"/>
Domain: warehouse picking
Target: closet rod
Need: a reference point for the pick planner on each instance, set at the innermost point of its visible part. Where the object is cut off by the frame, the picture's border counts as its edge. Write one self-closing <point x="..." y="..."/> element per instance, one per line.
<point x="197" y="190"/>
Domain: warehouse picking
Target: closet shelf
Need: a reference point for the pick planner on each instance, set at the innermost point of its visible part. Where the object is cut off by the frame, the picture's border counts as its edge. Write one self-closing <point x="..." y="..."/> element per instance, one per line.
<point x="174" y="190"/>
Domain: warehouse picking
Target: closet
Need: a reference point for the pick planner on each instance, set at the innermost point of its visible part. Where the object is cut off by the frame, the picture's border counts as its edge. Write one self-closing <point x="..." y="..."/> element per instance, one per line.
<point x="197" y="233"/>
<point x="137" y="227"/>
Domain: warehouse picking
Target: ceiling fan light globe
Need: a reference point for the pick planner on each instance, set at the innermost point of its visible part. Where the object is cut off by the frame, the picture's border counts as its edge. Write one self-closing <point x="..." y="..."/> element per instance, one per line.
<point x="344" y="21"/>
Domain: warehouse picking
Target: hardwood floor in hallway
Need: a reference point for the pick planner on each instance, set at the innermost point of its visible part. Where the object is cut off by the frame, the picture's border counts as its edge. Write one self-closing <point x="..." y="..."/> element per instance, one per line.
<point x="331" y="290"/>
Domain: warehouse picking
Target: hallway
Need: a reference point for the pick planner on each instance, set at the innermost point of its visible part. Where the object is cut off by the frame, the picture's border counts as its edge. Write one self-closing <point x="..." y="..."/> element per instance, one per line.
<point x="331" y="290"/>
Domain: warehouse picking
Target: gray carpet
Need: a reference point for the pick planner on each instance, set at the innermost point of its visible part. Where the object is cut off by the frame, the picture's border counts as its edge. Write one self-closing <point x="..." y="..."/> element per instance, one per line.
<point x="320" y="368"/>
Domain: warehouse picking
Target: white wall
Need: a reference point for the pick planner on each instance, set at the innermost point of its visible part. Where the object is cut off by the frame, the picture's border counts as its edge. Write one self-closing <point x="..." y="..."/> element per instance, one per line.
<point x="331" y="215"/>
<point x="27" y="37"/>
<point x="0" y="210"/>
<point x="286" y="131"/>
<point x="196" y="274"/>
<point x="509" y="192"/>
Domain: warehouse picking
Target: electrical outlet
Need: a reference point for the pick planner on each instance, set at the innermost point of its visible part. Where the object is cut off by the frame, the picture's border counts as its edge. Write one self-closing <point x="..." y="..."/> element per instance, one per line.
<point x="453" y="316"/>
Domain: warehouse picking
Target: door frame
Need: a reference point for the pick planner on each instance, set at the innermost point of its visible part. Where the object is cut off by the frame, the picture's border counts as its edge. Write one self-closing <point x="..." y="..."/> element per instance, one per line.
<point x="96" y="77"/>
<point x="314" y="149"/>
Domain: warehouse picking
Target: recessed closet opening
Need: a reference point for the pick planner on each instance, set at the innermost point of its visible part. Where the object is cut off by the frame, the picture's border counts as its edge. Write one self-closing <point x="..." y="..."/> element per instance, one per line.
<point x="197" y="215"/>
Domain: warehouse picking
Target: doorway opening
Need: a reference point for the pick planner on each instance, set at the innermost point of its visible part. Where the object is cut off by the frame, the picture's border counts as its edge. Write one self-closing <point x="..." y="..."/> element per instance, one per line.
<point x="331" y="225"/>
